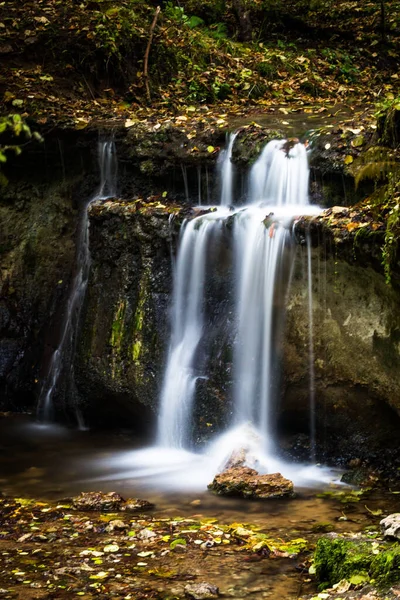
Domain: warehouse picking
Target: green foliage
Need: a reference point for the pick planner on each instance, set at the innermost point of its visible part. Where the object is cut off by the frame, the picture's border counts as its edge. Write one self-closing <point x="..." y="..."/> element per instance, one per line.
<point x="11" y="127"/>
<point x="376" y="164"/>
<point x="388" y="115"/>
<point x="357" y="562"/>
<point x="392" y="233"/>
<point x="385" y="567"/>
<point x="339" y="559"/>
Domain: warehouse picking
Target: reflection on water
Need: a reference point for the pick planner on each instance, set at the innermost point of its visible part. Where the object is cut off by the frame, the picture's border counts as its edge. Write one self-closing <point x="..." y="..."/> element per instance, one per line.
<point x="50" y="462"/>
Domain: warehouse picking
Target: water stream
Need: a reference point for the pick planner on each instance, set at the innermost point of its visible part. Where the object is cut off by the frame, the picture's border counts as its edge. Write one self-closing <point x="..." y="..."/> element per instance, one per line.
<point x="263" y="259"/>
<point x="227" y="172"/>
<point x="61" y="365"/>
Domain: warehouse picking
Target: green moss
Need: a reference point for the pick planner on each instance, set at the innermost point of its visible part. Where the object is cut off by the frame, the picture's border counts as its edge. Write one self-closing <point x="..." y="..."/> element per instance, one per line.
<point x="339" y="559"/>
<point x="137" y="346"/>
<point x="138" y="320"/>
<point x="385" y="567"/>
<point x="117" y="334"/>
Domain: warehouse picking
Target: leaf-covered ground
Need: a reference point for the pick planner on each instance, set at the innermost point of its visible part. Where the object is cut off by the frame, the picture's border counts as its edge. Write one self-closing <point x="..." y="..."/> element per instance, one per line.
<point x="55" y="551"/>
<point x="51" y="550"/>
<point x="76" y="61"/>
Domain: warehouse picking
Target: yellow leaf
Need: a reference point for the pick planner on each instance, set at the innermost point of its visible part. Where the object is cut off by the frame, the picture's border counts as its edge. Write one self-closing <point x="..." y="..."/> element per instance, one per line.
<point x="210" y="149"/>
<point x="348" y="159"/>
<point x="351" y="226"/>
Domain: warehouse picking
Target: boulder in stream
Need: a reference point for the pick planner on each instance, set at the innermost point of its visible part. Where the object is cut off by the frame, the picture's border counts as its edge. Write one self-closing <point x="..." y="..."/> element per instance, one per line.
<point x="248" y="483"/>
<point x="109" y="502"/>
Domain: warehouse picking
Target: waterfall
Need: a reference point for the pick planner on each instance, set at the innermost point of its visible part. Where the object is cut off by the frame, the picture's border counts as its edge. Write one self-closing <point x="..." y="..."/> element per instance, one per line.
<point x="311" y="351"/>
<point x="262" y="250"/>
<point x="257" y="241"/>
<point x="280" y="175"/>
<point x="187" y="328"/>
<point x="279" y="178"/>
<point x="108" y="164"/>
<point x="259" y="255"/>
<point x="226" y="172"/>
<point x="61" y="361"/>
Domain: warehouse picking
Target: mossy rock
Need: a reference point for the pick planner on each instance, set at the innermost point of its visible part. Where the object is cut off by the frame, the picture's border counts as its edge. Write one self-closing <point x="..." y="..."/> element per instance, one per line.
<point x="250" y="142"/>
<point x="338" y="559"/>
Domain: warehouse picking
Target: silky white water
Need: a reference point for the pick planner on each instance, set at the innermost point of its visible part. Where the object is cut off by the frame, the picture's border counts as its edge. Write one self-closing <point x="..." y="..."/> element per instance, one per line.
<point x="61" y="362"/>
<point x="187" y="329"/>
<point x="227" y="172"/>
<point x="263" y="257"/>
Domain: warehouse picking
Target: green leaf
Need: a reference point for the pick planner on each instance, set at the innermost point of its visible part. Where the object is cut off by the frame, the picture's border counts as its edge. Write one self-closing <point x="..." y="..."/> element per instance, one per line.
<point x="194" y="22"/>
<point x="179" y="541"/>
<point x="359" y="578"/>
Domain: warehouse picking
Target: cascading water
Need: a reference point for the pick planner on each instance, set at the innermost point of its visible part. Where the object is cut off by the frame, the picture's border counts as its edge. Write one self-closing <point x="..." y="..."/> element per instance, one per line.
<point x="259" y="254"/>
<point x="108" y="164"/>
<point x="187" y="330"/>
<point x="62" y="357"/>
<point x="279" y="177"/>
<point x="262" y="243"/>
<point x="226" y="172"/>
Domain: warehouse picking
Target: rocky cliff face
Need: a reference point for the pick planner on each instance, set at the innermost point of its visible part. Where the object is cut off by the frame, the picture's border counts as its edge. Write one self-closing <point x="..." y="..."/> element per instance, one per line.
<point x="123" y="339"/>
<point x="36" y="257"/>
<point x="124" y="332"/>
<point x="356" y="357"/>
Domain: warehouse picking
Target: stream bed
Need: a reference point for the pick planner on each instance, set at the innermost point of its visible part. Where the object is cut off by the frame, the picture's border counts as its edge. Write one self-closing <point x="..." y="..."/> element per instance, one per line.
<point x="49" y="464"/>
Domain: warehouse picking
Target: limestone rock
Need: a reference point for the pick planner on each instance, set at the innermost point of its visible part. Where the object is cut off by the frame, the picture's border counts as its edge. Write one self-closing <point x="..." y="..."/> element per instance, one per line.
<point x="248" y="483"/>
<point x="201" y="591"/>
<point x="109" y="502"/>
<point x="137" y="505"/>
<point x="98" y="501"/>
<point x="390" y="526"/>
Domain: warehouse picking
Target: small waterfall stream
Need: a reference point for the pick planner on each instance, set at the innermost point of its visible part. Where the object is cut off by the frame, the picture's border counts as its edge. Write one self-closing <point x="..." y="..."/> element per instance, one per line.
<point x="227" y="172"/>
<point x="262" y="244"/>
<point x="62" y="358"/>
<point x="187" y="329"/>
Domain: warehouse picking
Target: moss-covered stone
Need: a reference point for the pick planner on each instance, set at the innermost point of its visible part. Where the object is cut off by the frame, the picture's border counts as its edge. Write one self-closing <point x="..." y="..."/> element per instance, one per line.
<point x="338" y="559"/>
<point x="247" y="483"/>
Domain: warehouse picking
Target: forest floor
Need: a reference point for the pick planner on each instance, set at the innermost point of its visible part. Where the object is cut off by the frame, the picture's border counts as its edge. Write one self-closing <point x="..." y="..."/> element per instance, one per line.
<point x="51" y="550"/>
<point x="72" y="63"/>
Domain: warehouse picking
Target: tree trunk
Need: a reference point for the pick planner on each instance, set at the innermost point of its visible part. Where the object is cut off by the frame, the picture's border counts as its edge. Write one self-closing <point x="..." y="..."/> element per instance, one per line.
<point x="383" y="20"/>
<point x="243" y="19"/>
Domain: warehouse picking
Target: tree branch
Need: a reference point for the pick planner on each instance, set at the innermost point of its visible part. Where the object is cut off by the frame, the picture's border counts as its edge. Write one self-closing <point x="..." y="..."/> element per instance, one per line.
<point x="146" y="55"/>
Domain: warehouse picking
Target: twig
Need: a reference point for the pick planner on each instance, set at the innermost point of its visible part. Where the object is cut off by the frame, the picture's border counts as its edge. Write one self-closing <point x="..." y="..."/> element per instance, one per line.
<point x="146" y="56"/>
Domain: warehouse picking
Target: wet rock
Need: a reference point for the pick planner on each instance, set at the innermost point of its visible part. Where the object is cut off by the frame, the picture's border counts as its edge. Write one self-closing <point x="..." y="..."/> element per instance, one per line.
<point x="236" y="459"/>
<point x="137" y="505"/>
<point x="146" y="534"/>
<point x="116" y="525"/>
<point x="109" y="502"/>
<point x="248" y="483"/>
<point x="200" y="591"/>
<point x="390" y="526"/>
<point x="98" y="501"/>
